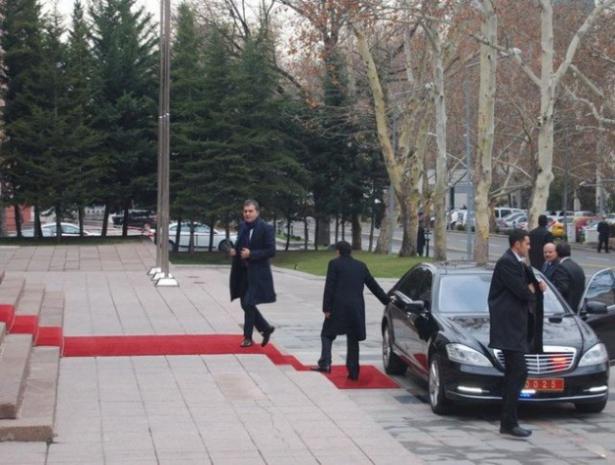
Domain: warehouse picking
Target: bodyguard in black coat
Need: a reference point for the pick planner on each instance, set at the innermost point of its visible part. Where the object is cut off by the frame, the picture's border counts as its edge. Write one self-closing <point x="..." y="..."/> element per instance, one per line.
<point x="511" y="297"/>
<point x="604" y="231"/>
<point x="344" y="307"/>
<point x="569" y="277"/>
<point x="538" y="238"/>
<point x="251" y="278"/>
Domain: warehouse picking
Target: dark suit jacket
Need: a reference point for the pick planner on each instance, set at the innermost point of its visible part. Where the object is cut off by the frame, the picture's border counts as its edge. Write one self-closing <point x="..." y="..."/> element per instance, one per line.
<point x="509" y="304"/>
<point x="604" y="230"/>
<point x="257" y="269"/>
<point x="343" y="297"/>
<point x="538" y="238"/>
<point x="569" y="279"/>
<point x="549" y="268"/>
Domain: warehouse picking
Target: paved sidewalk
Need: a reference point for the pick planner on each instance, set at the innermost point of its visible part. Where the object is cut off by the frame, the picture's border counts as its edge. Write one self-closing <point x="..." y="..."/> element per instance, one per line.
<point x="243" y="409"/>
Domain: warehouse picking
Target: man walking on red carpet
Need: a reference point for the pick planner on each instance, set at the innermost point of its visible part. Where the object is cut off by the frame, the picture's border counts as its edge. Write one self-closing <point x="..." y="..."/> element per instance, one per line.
<point x="344" y="307"/>
<point x="251" y="277"/>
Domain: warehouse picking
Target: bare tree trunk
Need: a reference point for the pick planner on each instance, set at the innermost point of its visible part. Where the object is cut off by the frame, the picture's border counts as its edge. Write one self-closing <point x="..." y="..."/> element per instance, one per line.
<point x="306" y="233"/>
<point x="357" y="237"/>
<point x="191" y="239"/>
<point x="126" y="214"/>
<point x="17" y="220"/>
<point x="81" y="220"/>
<point x="441" y="187"/>
<point x="178" y="235"/>
<point x="58" y="211"/>
<point x="105" y="223"/>
<point x="383" y="242"/>
<point x="486" y="129"/>
<point x="337" y="228"/>
<point x="316" y="231"/>
<point x="288" y="223"/>
<point x="38" y="230"/>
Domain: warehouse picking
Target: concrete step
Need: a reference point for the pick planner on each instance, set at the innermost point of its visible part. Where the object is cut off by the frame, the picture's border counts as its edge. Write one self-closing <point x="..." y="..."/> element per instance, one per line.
<point x="2" y="332"/>
<point x="51" y="320"/>
<point x="11" y="290"/>
<point x="37" y="414"/>
<point x="31" y="298"/>
<point x="14" y="361"/>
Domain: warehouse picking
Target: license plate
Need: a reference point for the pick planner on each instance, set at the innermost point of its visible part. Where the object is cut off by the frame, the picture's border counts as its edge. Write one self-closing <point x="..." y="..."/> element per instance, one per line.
<point x="545" y="384"/>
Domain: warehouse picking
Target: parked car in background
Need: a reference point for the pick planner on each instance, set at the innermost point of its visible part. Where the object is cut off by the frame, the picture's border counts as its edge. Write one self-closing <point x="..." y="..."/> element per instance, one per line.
<point x="136" y="218"/>
<point x="50" y="229"/>
<point x="437" y="326"/>
<point x="511" y="221"/>
<point x="502" y="212"/>
<point x="202" y="234"/>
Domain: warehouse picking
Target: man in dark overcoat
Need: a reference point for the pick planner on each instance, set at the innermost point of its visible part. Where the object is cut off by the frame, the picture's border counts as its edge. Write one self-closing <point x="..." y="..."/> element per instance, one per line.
<point x="569" y="277"/>
<point x="344" y="307"/>
<point x="251" y="277"/>
<point x="538" y="238"/>
<point x="604" y="232"/>
<point x="512" y="296"/>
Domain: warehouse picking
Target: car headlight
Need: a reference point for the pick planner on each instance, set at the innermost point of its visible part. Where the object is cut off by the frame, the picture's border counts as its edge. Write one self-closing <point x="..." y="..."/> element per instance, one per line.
<point x="594" y="356"/>
<point x="463" y="354"/>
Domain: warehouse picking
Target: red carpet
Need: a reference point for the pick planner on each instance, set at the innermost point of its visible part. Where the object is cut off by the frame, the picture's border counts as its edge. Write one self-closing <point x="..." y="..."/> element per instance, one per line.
<point x="211" y="344"/>
<point x="7" y="315"/>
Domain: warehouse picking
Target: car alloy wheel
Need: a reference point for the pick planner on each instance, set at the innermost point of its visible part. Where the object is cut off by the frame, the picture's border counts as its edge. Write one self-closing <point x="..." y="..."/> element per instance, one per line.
<point x="439" y="404"/>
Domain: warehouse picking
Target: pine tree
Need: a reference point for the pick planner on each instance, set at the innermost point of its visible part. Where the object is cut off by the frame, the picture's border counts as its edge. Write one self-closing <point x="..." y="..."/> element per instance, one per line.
<point x="261" y="136"/>
<point x="80" y="93"/>
<point x="22" y="81"/>
<point x="124" y="49"/>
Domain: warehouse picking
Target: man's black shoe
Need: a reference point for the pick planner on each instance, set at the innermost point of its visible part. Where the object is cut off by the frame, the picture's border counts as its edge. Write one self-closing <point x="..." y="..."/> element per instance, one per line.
<point x="266" y="335"/>
<point x="516" y="431"/>
<point x="353" y="377"/>
<point x="246" y="343"/>
<point x="322" y="369"/>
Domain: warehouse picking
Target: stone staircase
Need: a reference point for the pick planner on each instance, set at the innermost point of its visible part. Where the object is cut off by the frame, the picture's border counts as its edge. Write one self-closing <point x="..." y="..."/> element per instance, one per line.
<point x="30" y="350"/>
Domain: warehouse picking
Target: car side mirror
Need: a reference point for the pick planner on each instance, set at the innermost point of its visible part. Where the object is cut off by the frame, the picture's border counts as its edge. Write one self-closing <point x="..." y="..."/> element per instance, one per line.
<point x="415" y="307"/>
<point x="594" y="307"/>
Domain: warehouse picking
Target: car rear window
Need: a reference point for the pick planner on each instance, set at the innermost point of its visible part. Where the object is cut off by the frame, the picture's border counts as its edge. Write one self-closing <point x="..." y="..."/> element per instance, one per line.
<point x="467" y="294"/>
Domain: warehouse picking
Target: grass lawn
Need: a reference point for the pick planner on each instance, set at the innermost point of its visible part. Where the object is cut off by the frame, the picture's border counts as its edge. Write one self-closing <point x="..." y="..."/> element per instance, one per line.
<point x="381" y="266"/>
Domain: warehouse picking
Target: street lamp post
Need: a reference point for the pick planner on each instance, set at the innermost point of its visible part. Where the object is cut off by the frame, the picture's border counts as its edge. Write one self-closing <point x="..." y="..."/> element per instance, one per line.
<point x="163" y="278"/>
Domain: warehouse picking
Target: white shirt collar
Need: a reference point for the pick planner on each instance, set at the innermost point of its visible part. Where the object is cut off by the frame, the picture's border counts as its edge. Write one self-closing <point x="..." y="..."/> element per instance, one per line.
<point x="521" y="259"/>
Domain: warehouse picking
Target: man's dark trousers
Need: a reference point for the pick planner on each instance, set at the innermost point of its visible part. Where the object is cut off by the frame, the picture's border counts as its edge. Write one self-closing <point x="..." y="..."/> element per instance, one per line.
<point x="514" y="381"/>
<point x="603" y="240"/>
<point x="253" y="318"/>
<point x="352" y="354"/>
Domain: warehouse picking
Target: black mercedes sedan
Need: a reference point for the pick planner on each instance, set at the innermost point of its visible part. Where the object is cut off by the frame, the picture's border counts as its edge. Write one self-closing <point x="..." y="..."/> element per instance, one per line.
<point x="437" y="326"/>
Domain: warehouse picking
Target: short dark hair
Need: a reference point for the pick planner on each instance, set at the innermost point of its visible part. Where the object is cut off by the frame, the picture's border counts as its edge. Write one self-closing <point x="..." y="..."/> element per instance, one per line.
<point x="516" y="235"/>
<point x="344" y="248"/>
<point x="252" y="202"/>
<point x="563" y="249"/>
<point x="543" y="220"/>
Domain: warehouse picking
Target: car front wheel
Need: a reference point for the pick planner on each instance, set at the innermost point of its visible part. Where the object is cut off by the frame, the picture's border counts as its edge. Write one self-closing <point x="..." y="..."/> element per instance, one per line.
<point x="440" y="405"/>
<point x="393" y="365"/>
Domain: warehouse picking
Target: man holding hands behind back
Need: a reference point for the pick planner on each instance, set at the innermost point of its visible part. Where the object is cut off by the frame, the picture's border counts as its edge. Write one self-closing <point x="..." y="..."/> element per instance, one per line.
<point x="512" y="293"/>
<point x="251" y="277"/>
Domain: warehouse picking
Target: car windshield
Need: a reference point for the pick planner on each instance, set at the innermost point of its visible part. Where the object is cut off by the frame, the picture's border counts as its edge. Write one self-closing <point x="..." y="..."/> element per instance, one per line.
<point x="467" y="294"/>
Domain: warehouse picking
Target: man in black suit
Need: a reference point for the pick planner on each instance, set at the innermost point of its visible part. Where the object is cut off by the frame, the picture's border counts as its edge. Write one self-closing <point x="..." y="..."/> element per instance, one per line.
<point x="251" y="277"/>
<point x="511" y="296"/>
<point x="604" y="231"/>
<point x="568" y="277"/>
<point x="551" y="260"/>
<point x="538" y="238"/>
<point x="344" y="307"/>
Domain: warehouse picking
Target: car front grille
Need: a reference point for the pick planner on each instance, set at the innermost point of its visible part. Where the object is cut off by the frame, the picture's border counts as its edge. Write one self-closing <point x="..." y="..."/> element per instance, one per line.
<point x="555" y="359"/>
